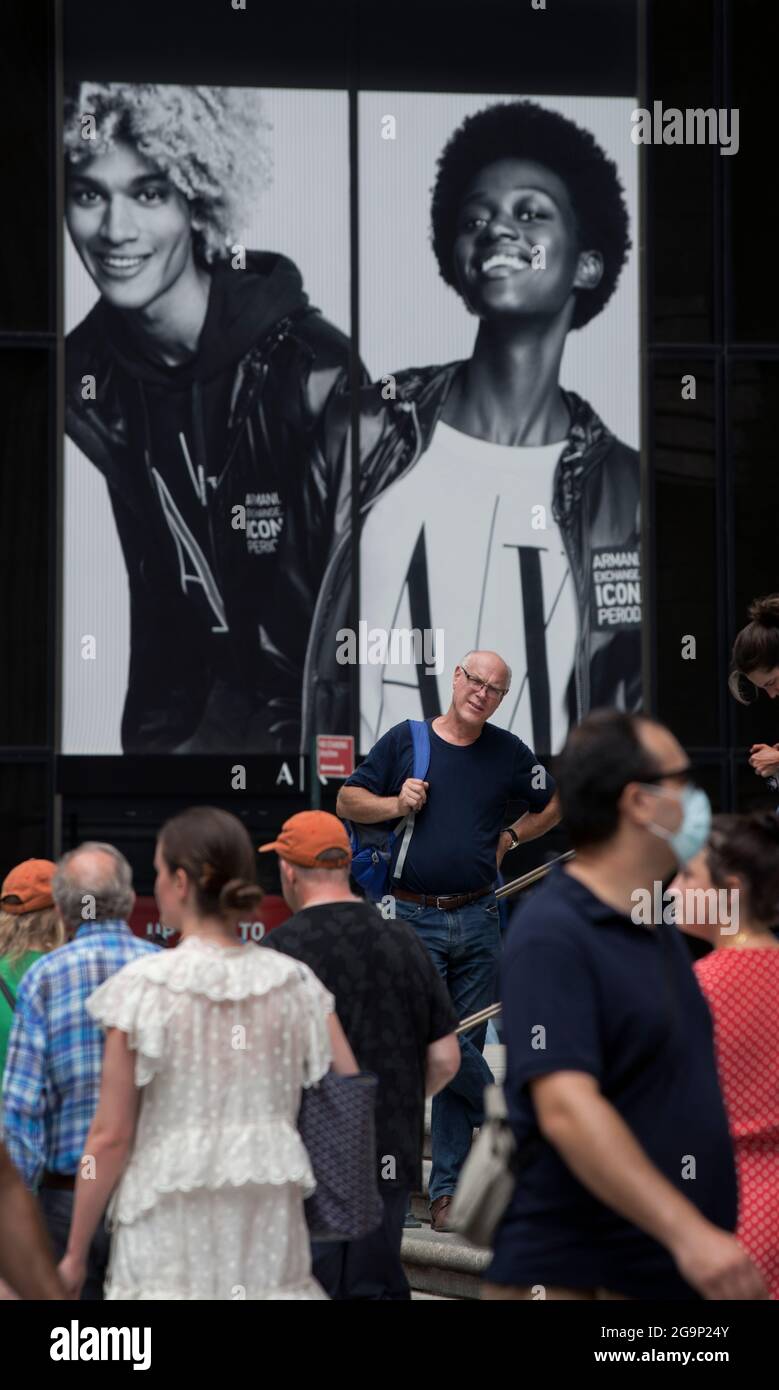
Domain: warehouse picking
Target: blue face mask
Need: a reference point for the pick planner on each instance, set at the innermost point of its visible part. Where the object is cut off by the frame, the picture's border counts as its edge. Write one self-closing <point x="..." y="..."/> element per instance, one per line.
<point x="693" y="832"/>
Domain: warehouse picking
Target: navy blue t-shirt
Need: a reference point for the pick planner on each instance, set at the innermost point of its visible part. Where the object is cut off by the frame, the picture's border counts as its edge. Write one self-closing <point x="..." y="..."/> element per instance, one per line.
<point x="455" y="839"/>
<point x="621" y="1002"/>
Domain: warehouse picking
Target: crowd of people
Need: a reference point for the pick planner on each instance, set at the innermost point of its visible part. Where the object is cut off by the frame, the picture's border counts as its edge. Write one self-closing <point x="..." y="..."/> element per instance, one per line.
<point x="151" y="1147"/>
<point x="150" y="1097"/>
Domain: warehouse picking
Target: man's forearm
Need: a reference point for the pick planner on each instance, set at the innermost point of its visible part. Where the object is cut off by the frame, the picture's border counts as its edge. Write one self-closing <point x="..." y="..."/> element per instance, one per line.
<point x="437" y="1075"/>
<point x="535" y="823"/>
<point x="603" y="1153"/>
<point x="357" y="803"/>
<point x="26" y="1258"/>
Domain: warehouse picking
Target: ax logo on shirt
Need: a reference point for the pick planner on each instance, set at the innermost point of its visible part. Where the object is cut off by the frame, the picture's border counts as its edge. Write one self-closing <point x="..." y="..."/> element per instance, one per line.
<point x="264" y="522"/>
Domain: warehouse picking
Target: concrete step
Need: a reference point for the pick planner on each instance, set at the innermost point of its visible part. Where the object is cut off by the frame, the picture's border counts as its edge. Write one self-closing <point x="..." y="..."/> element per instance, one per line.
<point x="443" y="1265"/>
<point x="418" y="1297"/>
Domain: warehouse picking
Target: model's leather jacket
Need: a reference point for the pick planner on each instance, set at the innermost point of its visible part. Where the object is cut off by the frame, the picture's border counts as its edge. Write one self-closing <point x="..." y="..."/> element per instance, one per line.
<point x="220" y="614"/>
<point x="595" y="502"/>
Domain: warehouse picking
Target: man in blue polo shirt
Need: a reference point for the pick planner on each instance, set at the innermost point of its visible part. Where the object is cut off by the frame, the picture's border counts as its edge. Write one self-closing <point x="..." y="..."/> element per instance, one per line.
<point x="446" y="888"/>
<point x="627" y="1186"/>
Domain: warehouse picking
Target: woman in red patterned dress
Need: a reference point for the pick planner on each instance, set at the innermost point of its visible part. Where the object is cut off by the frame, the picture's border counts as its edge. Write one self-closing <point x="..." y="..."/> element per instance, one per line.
<point x="740" y="979"/>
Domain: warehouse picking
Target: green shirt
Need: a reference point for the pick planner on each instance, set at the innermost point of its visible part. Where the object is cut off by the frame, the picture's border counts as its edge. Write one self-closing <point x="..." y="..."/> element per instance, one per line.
<point x="12" y="974"/>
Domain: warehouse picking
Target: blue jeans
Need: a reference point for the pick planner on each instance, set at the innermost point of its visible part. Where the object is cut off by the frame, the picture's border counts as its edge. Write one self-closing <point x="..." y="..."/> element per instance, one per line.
<point x="465" y="947"/>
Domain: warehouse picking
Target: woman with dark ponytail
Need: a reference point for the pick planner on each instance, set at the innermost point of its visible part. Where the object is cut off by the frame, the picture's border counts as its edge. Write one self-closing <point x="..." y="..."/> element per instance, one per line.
<point x="195" y="1133"/>
<point x="739" y="873"/>
<point x="755" y="667"/>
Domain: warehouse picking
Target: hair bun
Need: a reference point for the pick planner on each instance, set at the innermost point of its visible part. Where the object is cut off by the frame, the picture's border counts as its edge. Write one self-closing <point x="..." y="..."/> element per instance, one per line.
<point x="765" y="610"/>
<point x="238" y="895"/>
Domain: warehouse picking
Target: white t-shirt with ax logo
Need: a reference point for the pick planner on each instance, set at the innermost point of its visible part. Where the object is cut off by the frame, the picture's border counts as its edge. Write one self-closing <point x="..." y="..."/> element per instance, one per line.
<point x="467" y="546"/>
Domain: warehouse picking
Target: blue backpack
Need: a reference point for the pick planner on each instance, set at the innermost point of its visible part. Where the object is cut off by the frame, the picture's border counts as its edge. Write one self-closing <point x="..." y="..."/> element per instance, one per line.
<point x="373" y="846"/>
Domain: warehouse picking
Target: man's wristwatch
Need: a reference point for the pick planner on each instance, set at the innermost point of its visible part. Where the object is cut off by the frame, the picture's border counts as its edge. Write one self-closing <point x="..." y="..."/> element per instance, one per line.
<point x="514" y="836"/>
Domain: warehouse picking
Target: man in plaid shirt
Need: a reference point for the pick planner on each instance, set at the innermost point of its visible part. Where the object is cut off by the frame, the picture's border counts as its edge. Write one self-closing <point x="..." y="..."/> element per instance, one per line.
<point x="55" y="1051"/>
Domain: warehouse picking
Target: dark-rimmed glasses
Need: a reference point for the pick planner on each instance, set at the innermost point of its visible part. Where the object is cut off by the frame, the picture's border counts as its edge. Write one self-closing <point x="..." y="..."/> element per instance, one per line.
<point x="495" y="692"/>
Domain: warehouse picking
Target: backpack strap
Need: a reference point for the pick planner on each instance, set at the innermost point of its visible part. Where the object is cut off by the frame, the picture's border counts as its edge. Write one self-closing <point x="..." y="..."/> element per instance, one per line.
<point x="6" y="992"/>
<point x="420" y="740"/>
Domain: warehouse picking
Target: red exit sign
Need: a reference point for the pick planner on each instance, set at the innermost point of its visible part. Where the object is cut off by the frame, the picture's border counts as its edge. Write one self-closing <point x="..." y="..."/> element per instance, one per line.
<point x="144" y="921"/>
<point x="334" y="755"/>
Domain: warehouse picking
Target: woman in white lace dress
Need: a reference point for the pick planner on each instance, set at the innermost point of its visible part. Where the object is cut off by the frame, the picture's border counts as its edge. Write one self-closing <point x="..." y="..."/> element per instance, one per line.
<point x="195" y="1135"/>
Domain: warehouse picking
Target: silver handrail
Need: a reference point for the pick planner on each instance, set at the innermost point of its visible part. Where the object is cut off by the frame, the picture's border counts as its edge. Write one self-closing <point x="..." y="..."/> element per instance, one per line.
<point x="525" y="881"/>
<point x="474" y="1020"/>
<point x="507" y="891"/>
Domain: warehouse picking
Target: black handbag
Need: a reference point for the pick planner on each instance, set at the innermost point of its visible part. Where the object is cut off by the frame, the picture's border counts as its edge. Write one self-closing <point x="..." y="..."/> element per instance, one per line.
<point x="337" y="1124"/>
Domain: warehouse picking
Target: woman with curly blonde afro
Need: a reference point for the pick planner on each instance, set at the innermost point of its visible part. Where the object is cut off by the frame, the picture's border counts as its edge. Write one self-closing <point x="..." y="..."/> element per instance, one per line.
<point x="196" y="386"/>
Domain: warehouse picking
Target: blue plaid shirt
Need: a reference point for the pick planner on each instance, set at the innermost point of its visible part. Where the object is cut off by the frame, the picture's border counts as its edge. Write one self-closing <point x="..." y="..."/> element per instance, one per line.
<point x="55" y="1052"/>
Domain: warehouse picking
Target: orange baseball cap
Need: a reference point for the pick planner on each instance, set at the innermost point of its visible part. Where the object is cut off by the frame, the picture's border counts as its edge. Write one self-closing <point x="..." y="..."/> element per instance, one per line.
<point x="308" y="834"/>
<point x="28" y="887"/>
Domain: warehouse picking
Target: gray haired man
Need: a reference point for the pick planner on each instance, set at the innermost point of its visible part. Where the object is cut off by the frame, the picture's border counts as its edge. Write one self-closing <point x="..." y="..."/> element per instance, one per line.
<point x="55" y="1051"/>
<point x="445" y="889"/>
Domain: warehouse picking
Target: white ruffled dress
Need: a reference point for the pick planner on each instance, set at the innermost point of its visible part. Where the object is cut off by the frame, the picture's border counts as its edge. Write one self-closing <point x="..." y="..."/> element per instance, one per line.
<point x="210" y="1204"/>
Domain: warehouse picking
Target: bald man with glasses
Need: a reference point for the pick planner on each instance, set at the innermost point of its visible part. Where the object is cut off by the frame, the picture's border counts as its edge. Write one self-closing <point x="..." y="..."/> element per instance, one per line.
<point x="446" y="890"/>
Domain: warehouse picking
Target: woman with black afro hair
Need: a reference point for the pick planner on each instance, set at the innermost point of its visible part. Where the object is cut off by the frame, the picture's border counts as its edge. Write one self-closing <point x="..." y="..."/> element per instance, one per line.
<point x="584" y="185"/>
<point x="516" y="524"/>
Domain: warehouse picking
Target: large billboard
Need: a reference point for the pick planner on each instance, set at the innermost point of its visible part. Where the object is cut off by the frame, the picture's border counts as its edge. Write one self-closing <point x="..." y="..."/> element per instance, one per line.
<point x="500" y="307"/>
<point x="207" y="312"/>
<point x="270" y="479"/>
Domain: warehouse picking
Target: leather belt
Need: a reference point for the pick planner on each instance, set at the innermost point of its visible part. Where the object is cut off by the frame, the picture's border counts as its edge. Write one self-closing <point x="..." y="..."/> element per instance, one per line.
<point x="63" y="1181"/>
<point x="444" y="902"/>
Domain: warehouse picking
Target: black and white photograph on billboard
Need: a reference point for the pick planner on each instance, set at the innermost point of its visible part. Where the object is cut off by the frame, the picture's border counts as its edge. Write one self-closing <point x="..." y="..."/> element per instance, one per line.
<point x="207" y="317"/>
<point x="499" y="323"/>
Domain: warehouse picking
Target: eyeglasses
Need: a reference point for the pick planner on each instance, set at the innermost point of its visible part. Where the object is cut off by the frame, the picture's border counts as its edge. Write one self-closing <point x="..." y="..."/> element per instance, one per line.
<point x="687" y="773"/>
<point x="494" y="691"/>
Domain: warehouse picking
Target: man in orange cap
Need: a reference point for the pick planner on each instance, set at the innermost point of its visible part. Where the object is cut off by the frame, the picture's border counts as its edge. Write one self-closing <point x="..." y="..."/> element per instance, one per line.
<point x="399" y="1021"/>
<point x="313" y="840"/>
